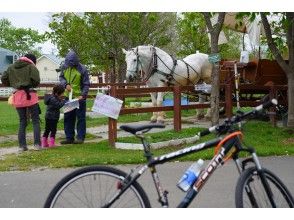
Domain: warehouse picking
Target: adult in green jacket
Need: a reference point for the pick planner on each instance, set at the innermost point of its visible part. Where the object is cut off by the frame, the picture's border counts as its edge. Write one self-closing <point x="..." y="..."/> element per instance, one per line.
<point x="74" y="77"/>
<point x="23" y="75"/>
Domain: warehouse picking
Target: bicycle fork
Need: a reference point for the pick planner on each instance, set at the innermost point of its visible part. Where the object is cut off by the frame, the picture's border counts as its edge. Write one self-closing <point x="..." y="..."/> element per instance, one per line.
<point x="264" y="181"/>
<point x="260" y="173"/>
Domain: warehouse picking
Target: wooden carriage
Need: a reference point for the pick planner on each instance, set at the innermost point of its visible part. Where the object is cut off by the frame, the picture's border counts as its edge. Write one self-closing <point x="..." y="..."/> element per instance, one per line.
<point x="255" y="77"/>
<point x="257" y="72"/>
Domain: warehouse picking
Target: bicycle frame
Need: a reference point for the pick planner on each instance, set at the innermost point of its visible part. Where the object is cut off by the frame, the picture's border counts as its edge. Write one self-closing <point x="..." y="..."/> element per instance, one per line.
<point x="218" y="159"/>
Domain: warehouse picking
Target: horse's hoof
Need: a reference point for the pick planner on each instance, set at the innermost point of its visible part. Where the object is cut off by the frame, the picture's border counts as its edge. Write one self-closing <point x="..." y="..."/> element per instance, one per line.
<point x="153" y="121"/>
<point x="160" y="121"/>
<point x="207" y="118"/>
<point x="199" y="117"/>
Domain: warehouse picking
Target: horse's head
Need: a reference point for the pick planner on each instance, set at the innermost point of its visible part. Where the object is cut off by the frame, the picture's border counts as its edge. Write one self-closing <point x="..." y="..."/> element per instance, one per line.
<point x="133" y="64"/>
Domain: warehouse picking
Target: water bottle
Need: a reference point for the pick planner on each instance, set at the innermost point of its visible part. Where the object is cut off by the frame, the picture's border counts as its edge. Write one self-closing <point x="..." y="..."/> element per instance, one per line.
<point x="190" y="175"/>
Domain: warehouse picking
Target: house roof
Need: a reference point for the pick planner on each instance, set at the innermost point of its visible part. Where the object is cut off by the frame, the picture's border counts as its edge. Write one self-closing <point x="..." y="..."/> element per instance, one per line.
<point x="52" y="57"/>
<point x="6" y="51"/>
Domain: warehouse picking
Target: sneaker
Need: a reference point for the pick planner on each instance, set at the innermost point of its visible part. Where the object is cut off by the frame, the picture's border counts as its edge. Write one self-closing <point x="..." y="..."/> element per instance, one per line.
<point x="22" y="149"/>
<point x="78" y="141"/>
<point x="37" y="147"/>
<point x="67" y="141"/>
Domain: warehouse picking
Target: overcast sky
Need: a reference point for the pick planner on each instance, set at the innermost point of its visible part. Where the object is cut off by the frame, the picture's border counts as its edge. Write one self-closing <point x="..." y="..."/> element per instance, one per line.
<point x="32" y="14"/>
<point x="36" y="20"/>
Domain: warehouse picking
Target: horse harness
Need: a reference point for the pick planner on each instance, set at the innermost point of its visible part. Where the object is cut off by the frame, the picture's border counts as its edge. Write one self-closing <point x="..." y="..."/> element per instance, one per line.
<point x="153" y="67"/>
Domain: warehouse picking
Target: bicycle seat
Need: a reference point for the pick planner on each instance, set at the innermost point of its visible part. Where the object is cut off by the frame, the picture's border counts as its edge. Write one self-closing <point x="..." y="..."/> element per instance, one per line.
<point x="135" y="128"/>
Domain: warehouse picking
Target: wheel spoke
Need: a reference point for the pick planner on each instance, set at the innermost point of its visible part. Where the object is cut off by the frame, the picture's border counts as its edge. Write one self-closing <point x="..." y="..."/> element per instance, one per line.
<point x="95" y="187"/>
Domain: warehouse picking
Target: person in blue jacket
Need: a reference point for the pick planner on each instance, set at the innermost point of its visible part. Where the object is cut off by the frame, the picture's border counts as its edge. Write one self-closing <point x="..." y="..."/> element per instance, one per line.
<point x="75" y="78"/>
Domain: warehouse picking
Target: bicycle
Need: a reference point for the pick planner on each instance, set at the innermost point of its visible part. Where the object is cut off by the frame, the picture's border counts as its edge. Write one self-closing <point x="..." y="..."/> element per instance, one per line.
<point x="103" y="186"/>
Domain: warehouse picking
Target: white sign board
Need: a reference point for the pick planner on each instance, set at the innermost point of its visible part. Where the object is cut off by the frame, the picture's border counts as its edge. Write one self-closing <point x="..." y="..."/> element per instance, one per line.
<point x="206" y="88"/>
<point x="107" y="105"/>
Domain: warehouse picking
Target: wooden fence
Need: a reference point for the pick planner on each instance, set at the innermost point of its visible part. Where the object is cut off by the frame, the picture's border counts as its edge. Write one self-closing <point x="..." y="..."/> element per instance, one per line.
<point x="122" y="91"/>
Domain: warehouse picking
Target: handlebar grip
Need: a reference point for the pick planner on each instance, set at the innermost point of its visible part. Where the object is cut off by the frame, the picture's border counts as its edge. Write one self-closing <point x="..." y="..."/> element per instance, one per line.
<point x="207" y="131"/>
<point x="267" y="105"/>
<point x="203" y="133"/>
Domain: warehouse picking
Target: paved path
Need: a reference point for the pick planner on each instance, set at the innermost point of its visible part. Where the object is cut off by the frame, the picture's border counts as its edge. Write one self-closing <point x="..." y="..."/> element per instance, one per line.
<point x="30" y="189"/>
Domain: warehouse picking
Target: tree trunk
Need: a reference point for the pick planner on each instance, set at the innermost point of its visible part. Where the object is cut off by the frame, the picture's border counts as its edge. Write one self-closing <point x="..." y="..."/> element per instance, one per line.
<point x="214" y="31"/>
<point x="290" y="122"/>
<point x="121" y="73"/>
<point x="288" y="68"/>
<point x="214" y="96"/>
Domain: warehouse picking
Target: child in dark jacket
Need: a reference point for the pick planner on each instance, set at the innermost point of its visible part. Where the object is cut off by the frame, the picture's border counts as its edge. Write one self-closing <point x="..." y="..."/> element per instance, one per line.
<point x="54" y="103"/>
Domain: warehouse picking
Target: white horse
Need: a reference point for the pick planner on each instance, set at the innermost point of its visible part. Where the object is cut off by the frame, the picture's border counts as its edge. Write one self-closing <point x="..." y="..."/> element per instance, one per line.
<point x="161" y="70"/>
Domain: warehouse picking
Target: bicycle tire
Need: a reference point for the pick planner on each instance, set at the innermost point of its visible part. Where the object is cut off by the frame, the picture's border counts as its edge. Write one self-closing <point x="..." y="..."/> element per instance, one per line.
<point x="282" y="195"/>
<point x="77" y="190"/>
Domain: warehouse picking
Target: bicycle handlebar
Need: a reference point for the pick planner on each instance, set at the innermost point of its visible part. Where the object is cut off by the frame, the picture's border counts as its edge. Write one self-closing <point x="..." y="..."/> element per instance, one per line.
<point x="266" y="105"/>
<point x="237" y="118"/>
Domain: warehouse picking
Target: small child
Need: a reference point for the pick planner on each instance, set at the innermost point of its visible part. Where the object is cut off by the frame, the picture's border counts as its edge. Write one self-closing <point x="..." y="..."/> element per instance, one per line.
<point x="54" y="103"/>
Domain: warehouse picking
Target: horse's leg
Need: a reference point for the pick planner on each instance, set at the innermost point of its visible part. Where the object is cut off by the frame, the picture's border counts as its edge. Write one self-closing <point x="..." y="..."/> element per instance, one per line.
<point x="200" y="112"/>
<point x="154" y="104"/>
<point x="160" y="115"/>
<point x="208" y="113"/>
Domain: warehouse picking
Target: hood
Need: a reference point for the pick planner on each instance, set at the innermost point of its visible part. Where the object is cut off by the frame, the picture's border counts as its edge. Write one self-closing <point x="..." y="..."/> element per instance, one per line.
<point x="20" y="64"/>
<point x="71" y="59"/>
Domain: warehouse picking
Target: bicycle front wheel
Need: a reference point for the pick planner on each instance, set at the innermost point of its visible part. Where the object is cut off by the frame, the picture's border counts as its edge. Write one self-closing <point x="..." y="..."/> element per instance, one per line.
<point x="250" y="191"/>
<point x="95" y="186"/>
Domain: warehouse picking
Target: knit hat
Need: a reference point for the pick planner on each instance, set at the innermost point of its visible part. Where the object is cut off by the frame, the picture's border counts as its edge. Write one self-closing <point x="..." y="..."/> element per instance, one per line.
<point x="32" y="57"/>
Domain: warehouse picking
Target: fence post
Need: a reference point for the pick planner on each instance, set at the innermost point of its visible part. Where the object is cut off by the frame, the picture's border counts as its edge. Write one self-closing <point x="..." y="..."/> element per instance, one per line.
<point x="272" y="110"/>
<point x="112" y="123"/>
<point x="177" y="108"/>
<point x="228" y="99"/>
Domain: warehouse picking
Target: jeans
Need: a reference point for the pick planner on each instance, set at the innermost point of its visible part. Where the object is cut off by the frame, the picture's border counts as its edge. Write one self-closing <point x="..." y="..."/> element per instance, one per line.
<point x="70" y="119"/>
<point x="24" y="113"/>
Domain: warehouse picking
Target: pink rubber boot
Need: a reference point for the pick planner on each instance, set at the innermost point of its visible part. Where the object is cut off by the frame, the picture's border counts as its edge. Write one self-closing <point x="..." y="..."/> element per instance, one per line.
<point x="44" y="142"/>
<point x="52" y="142"/>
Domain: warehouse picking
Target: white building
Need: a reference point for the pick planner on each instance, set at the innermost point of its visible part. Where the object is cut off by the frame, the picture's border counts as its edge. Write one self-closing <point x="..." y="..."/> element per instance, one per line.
<point x="48" y="64"/>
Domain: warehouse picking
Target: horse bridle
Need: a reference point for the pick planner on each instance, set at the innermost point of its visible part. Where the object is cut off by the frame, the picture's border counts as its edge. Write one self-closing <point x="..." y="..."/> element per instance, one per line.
<point x="152" y="68"/>
<point x="137" y="59"/>
<point x="139" y="63"/>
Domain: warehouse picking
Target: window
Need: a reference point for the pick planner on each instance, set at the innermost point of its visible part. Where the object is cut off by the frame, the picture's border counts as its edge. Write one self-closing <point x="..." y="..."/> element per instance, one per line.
<point x="15" y="58"/>
<point x="9" y="59"/>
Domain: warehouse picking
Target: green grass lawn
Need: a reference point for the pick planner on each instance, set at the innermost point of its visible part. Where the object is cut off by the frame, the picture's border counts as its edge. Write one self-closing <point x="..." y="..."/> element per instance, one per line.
<point x="266" y="139"/>
<point x="9" y="118"/>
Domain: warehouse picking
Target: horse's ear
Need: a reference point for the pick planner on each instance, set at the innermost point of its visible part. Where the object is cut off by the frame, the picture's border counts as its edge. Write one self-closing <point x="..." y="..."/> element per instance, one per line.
<point x="124" y="51"/>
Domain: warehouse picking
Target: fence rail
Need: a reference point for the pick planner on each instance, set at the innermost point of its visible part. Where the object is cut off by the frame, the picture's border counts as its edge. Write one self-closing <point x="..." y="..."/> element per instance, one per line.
<point x="177" y="107"/>
<point x="5" y="91"/>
